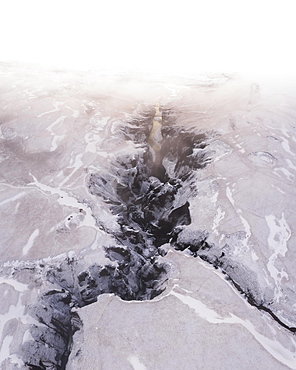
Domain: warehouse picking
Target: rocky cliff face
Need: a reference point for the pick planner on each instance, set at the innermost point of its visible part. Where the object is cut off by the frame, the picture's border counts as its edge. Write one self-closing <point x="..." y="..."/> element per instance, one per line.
<point x="105" y="194"/>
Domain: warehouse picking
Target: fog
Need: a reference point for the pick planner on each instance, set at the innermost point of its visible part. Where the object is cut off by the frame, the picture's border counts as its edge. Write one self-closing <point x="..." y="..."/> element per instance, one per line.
<point x="160" y="36"/>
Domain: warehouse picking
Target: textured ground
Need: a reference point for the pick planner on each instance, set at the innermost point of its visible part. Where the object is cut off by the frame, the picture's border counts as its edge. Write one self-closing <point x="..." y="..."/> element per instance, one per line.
<point x="170" y="199"/>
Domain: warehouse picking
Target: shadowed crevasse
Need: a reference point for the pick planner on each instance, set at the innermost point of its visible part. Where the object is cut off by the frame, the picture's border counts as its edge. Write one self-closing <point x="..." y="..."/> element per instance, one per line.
<point x="150" y="208"/>
<point x="148" y="191"/>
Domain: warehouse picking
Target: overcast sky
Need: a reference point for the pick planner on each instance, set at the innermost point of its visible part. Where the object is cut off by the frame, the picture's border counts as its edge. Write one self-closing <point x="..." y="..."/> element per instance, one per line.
<point x="158" y="35"/>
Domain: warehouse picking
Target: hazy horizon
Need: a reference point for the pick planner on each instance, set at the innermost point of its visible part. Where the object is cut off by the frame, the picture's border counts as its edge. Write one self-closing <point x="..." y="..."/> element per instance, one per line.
<point x="162" y="37"/>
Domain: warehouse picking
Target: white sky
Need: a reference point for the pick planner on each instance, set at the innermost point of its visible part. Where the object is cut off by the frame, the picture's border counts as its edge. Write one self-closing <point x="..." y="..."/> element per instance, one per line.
<point x="187" y="36"/>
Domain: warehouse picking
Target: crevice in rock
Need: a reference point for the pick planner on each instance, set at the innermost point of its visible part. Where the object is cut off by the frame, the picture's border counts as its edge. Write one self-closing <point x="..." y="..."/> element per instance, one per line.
<point x="200" y="248"/>
<point x="260" y="306"/>
<point x="148" y="191"/>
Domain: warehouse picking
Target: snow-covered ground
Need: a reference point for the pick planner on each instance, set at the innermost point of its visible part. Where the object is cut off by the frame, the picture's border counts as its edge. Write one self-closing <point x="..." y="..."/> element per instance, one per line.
<point x="58" y="128"/>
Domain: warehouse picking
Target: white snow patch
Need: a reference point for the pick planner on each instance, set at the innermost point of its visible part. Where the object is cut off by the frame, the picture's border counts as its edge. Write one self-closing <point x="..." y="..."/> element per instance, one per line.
<point x="200" y="308"/>
<point x="56" y="105"/>
<point x="20" y="287"/>
<point x="229" y="195"/>
<point x="262" y="158"/>
<point x="286" y="146"/>
<point x="17" y="361"/>
<point x="17" y="196"/>
<point x="239" y="211"/>
<point x="217" y="219"/>
<point x="56" y="122"/>
<point x="246" y="226"/>
<point x="136" y="364"/>
<point x="30" y="242"/>
<point x="240" y="147"/>
<point x="286" y="172"/>
<point x="214" y="198"/>
<point x="27" y="336"/>
<point x="278" y="189"/>
<point x="254" y="256"/>
<point x="66" y="200"/>
<point x="290" y="164"/>
<point x="76" y="165"/>
<point x="279" y="234"/>
<point x="16" y="207"/>
<point x="75" y="112"/>
<point x="56" y="137"/>
<point x="94" y="137"/>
